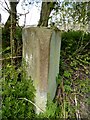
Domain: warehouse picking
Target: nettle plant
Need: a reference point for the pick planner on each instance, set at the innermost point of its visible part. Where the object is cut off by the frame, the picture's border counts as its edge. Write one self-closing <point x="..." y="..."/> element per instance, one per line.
<point x="15" y="87"/>
<point x="74" y="77"/>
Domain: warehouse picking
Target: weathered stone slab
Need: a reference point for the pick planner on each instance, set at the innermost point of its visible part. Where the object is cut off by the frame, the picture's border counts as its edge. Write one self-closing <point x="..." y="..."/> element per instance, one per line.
<point x="54" y="59"/>
<point x="41" y="50"/>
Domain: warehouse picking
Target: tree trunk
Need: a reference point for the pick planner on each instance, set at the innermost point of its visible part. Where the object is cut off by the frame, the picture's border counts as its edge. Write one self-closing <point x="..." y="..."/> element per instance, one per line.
<point x="13" y="41"/>
<point x="46" y="9"/>
<point x="0" y="18"/>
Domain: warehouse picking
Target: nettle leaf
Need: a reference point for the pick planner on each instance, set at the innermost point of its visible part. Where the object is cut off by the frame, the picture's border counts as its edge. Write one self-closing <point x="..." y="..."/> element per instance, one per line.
<point x="74" y="63"/>
<point x="67" y="74"/>
<point x="67" y="88"/>
<point x="51" y="109"/>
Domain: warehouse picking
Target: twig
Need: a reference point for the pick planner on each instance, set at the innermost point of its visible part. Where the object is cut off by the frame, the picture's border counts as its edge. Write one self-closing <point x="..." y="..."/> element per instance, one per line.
<point x="85" y="45"/>
<point x="5" y="8"/>
<point x="23" y="13"/>
<point x="7" y="5"/>
<point x="77" y="111"/>
<point x="10" y="58"/>
<point x="32" y="104"/>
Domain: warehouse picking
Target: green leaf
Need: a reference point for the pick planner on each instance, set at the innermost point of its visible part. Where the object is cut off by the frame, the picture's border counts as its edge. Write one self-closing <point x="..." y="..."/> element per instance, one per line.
<point x="67" y="74"/>
<point x="67" y="88"/>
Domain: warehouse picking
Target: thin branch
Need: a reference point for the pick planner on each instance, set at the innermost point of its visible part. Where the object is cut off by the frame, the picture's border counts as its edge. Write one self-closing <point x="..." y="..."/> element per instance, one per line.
<point x="32" y="104"/>
<point x="10" y="58"/>
<point x="80" y="49"/>
<point x="76" y="105"/>
<point x="22" y="14"/>
<point x="5" y="8"/>
<point x="85" y="46"/>
<point x="7" y="5"/>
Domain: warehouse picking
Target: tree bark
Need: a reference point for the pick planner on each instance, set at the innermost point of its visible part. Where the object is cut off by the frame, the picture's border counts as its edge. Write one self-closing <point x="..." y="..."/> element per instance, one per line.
<point x="46" y="9"/>
<point x="13" y="41"/>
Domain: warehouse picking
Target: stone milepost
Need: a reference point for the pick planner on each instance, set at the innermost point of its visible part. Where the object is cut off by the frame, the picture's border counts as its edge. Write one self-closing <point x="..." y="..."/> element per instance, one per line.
<point x="41" y="50"/>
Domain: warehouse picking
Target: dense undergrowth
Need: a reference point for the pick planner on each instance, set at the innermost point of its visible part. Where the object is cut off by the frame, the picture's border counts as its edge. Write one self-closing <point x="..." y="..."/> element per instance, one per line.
<point x="15" y="87"/>
<point x="72" y="96"/>
<point x="73" y="80"/>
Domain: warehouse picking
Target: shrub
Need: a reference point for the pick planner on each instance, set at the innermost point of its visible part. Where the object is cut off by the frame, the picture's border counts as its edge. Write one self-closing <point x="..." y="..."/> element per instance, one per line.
<point x="16" y="85"/>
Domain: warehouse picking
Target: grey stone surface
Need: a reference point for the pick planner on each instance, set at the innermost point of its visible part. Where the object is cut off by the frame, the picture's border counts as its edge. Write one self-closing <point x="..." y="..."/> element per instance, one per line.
<point x="54" y="56"/>
<point x="41" y="50"/>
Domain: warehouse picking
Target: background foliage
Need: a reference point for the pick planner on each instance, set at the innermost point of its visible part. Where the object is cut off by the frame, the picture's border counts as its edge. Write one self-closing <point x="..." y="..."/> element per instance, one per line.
<point x="74" y="74"/>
